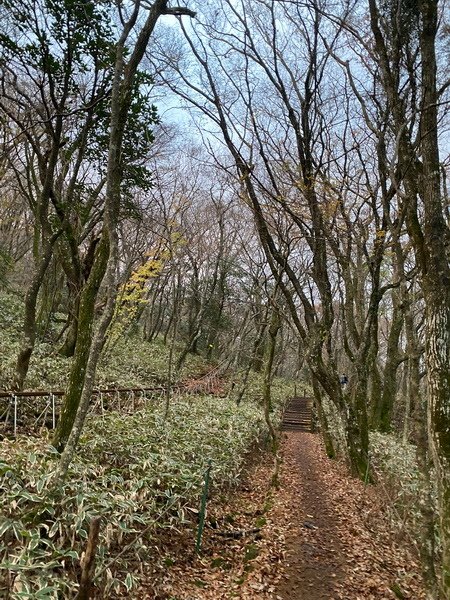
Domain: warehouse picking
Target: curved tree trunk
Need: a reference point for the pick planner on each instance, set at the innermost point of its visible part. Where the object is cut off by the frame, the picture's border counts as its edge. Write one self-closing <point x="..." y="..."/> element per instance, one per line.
<point x="274" y="327"/>
<point x="81" y="384"/>
<point x="29" y="323"/>
<point x="82" y="348"/>
<point x="323" y="421"/>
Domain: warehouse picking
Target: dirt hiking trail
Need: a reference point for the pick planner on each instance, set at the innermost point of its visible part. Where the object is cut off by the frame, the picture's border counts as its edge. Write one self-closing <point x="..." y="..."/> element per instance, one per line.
<point x="315" y="568"/>
<point x="321" y="536"/>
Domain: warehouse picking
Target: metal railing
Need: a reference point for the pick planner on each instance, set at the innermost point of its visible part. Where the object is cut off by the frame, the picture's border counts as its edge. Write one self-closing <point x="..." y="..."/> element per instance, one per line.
<point x="42" y="406"/>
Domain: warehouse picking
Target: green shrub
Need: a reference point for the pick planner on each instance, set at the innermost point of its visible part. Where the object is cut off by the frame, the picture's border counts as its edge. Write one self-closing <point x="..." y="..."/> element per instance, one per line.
<point x="137" y="471"/>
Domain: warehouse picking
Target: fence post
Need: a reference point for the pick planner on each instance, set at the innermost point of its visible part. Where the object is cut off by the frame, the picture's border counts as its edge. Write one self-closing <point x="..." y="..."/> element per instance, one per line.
<point x="201" y="516"/>
<point x="15" y="415"/>
<point x="52" y="396"/>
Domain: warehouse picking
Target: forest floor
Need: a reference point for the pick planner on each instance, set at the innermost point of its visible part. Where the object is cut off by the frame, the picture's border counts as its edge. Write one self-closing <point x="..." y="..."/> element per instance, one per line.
<point x="320" y="536"/>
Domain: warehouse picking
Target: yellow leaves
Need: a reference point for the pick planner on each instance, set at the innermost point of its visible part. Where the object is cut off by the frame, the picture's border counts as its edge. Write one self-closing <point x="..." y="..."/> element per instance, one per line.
<point x="133" y="293"/>
<point x="134" y="290"/>
<point x="330" y="207"/>
<point x="151" y="268"/>
<point x="155" y="263"/>
<point x="380" y="236"/>
<point x="177" y="239"/>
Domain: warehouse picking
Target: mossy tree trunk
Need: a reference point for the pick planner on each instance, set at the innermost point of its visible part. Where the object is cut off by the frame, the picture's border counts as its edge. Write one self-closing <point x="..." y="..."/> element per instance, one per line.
<point x="323" y="420"/>
<point x="83" y="346"/>
<point x="272" y="333"/>
<point x="81" y="385"/>
<point x="29" y="321"/>
<point x="436" y="285"/>
<point x="415" y="414"/>
<point x="419" y="168"/>
<point x="383" y="411"/>
<point x="42" y="259"/>
<point x="357" y="433"/>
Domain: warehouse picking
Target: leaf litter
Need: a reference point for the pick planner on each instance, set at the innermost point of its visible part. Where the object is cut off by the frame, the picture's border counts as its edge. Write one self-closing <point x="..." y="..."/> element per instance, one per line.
<point x="321" y="536"/>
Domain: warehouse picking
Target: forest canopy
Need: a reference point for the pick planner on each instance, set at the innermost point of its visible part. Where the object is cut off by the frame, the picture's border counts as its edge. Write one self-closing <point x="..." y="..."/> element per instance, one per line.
<point x="260" y="185"/>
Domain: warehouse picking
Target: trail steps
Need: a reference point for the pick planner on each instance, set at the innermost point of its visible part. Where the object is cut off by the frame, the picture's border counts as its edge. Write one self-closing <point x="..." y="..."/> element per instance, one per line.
<point x="298" y="415"/>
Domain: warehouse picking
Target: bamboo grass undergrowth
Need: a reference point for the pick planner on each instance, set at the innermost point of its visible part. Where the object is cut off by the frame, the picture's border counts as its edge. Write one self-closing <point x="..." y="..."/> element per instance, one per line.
<point x="135" y="470"/>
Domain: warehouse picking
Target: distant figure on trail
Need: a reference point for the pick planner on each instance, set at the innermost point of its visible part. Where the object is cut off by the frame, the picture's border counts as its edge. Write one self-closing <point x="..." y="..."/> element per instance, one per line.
<point x="344" y="380"/>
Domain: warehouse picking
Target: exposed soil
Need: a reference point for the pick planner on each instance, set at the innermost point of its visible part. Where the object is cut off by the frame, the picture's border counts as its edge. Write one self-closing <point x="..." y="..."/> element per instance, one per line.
<point x="320" y="536"/>
<point x="341" y="544"/>
<point x="315" y="566"/>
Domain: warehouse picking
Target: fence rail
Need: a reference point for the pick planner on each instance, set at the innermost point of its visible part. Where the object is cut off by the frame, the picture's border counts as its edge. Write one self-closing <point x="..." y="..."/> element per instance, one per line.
<point x="24" y="407"/>
<point x="60" y="393"/>
<point x="30" y="408"/>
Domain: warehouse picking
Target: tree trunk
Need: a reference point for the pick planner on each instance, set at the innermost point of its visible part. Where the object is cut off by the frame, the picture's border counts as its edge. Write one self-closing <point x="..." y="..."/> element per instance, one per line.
<point x="274" y="327"/>
<point x="323" y="421"/>
<point x="357" y="433"/>
<point x="82" y="348"/>
<point x="70" y="341"/>
<point x="82" y="380"/>
<point x="436" y="287"/>
<point x="29" y="323"/>
<point x="438" y="378"/>
<point x="416" y="411"/>
<point x="388" y="396"/>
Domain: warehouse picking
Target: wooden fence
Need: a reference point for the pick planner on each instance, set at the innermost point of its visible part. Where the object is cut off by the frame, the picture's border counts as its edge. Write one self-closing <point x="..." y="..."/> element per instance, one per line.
<point x="40" y="408"/>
